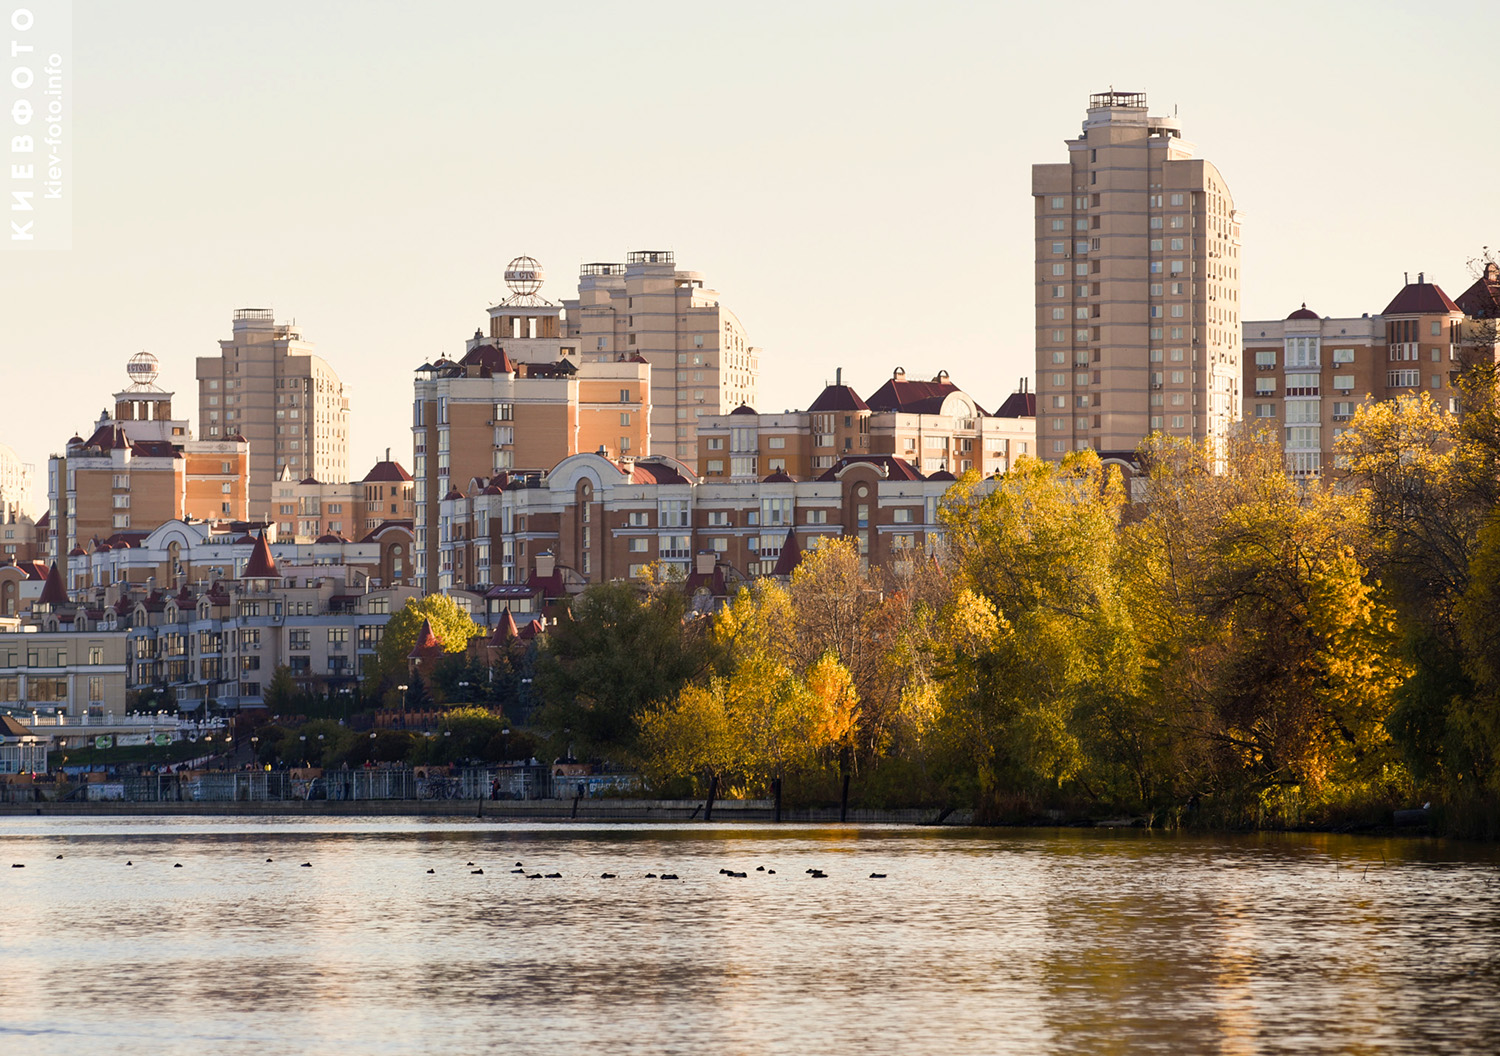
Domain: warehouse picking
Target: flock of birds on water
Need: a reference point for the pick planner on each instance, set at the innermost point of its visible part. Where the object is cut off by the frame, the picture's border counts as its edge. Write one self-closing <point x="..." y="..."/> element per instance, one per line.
<point x="815" y="874"/>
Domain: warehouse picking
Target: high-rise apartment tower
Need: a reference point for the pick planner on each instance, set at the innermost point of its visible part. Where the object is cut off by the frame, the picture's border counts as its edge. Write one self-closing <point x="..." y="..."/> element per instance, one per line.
<point x="1137" y="286"/>
<point x="268" y="386"/>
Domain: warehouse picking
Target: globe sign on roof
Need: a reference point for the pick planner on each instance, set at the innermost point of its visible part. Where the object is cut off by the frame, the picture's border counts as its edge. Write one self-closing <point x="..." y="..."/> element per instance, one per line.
<point x="142" y="369"/>
<point x="524" y="276"/>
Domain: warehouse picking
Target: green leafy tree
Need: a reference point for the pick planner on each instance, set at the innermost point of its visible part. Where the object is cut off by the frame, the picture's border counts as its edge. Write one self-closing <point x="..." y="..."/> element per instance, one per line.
<point x="1037" y="634"/>
<point x="622" y="649"/>
<point x="452" y="625"/>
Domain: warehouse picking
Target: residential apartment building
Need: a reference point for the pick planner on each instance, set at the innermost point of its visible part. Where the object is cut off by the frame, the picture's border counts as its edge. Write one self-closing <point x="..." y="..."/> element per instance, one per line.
<point x="140" y="468"/>
<point x="268" y="386"/>
<point x="1307" y="374"/>
<point x="64" y="670"/>
<point x="593" y="519"/>
<point x="199" y="553"/>
<point x="701" y="360"/>
<point x="211" y="643"/>
<point x="491" y="412"/>
<point x="309" y="509"/>
<point x="933" y="426"/>
<point x="15" y="485"/>
<point x="1137" y="286"/>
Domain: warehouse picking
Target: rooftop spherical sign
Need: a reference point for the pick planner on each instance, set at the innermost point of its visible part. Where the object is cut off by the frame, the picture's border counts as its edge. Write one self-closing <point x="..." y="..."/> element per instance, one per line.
<point x="524" y="276"/>
<point x="142" y="368"/>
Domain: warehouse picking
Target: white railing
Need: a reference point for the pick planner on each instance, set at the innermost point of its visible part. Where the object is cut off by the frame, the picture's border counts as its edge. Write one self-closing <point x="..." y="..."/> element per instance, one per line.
<point x="141" y="721"/>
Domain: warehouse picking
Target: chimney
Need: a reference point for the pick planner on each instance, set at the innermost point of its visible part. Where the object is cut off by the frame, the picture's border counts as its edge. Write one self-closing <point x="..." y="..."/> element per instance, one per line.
<point x="942" y="377"/>
<point x="387" y="454"/>
<point x="838" y="375"/>
<point x="1421" y="278"/>
<point x="545" y="564"/>
<point x="899" y="374"/>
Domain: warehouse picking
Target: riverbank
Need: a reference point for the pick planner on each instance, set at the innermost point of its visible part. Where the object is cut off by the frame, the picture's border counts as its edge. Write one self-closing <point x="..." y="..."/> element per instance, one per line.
<point x="598" y="809"/>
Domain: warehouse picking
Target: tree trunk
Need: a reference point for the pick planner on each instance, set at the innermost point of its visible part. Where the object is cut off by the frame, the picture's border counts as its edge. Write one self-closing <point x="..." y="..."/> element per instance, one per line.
<point x="776" y="791"/>
<point x="713" y="791"/>
<point x="844" y="799"/>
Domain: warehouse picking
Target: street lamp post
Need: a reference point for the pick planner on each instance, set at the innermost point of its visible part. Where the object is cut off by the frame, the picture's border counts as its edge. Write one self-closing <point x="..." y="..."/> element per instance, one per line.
<point x="403" y="688"/>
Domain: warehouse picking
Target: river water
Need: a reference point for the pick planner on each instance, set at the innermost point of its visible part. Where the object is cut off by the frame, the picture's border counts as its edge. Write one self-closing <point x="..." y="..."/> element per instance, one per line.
<point x="975" y="941"/>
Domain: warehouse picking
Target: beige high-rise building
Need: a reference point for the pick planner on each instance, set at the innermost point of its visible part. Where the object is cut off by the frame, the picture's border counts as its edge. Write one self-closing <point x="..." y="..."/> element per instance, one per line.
<point x="139" y="468"/>
<point x="1137" y="286"/>
<point x="268" y="386"/>
<point x="518" y="402"/>
<point x="701" y="361"/>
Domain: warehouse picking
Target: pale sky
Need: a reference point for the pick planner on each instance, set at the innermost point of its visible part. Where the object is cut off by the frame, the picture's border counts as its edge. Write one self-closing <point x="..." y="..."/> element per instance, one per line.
<point x="854" y="178"/>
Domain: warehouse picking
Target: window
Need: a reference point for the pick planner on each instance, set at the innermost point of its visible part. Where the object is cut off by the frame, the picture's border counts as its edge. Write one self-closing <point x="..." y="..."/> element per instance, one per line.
<point x="638" y="545"/>
<point x="504" y="412"/>
<point x="1059" y="202"/>
<point x="1265" y="360"/>
<point x="1343" y="355"/>
<point x="1302" y="384"/>
<point x="1343" y="382"/>
<point x="1059" y="225"/>
<point x="1265" y="410"/>
<point x="1303" y="412"/>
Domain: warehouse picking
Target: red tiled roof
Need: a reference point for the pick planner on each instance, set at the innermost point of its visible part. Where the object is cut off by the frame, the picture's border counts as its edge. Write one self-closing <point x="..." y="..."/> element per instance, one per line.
<point x="743" y="408"/>
<point x="490" y="360"/>
<point x="548" y="586"/>
<point x="261" y="565"/>
<point x="428" y="644"/>
<point x="1018" y="405"/>
<point x="1420" y="298"/>
<point x="53" y="592"/>
<point x="1479" y="301"/>
<point x="10" y="727"/>
<point x="330" y="537"/>
<point x="511" y="590"/>
<point x="838" y="398"/>
<point x="505" y="630"/>
<point x="715" y="582"/>
<point x="655" y="473"/>
<point x="913" y="397"/>
<point x="1302" y="313"/>
<point x="941" y="474"/>
<point x="387" y="472"/>
<point x="34" y="569"/>
<point x="453" y="493"/>
<point x="309" y="480"/>
<point x="779" y="477"/>
<point x="386" y="526"/>
<point x="895" y="469"/>
<point x="791" y="555"/>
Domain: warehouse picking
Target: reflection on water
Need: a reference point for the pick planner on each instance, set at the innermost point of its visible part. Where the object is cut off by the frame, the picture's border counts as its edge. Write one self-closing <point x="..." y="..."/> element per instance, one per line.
<point x="976" y="941"/>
